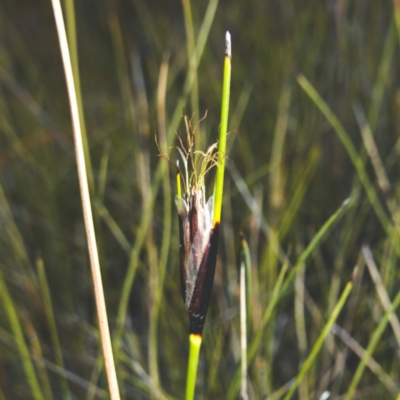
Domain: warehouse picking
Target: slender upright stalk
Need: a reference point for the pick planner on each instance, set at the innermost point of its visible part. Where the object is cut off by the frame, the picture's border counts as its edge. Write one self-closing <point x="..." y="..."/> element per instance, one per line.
<point x="23" y="350"/>
<point x="73" y="51"/>
<point x="87" y="210"/>
<point x="226" y="87"/>
<point x="194" y="351"/>
<point x="248" y="279"/>
<point x="396" y="6"/>
<point x="199" y="303"/>
<point x="321" y="339"/>
<point x="48" y="306"/>
<point x="243" y="332"/>
<point x="191" y="46"/>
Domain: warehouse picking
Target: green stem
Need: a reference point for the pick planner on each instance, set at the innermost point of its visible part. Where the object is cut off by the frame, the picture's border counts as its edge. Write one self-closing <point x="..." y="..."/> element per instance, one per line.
<point x="195" y="339"/>
<point x="396" y="5"/>
<point x="48" y="307"/>
<point x="351" y="150"/>
<point x="73" y="48"/>
<point x="279" y="290"/>
<point x="16" y="328"/>
<point x="187" y="13"/>
<point x="226" y="84"/>
<point x="194" y="351"/>
<point x="376" y="335"/>
<point x="321" y="339"/>
<point x="247" y="265"/>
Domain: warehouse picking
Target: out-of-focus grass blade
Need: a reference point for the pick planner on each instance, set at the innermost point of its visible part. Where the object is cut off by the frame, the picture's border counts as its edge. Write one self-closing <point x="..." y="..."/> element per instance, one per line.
<point x="371" y="362"/>
<point x="48" y="306"/>
<point x="191" y="45"/>
<point x="248" y="280"/>
<point x="348" y="145"/>
<point x="321" y="339"/>
<point x="236" y="119"/>
<point x="141" y="380"/>
<point x="8" y="305"/>
<point x="73" y="48"/>
<point x="300" y="324"/>
<point x="243" y="335"/>
<point x="255" y="208"/>
<point x="167" y="202"/>
<point x="376" y="335"/>
<point x="232" y="392"/>
<point x="191" y="75"/>
<point x="281" y="287"/>
<point x="9" y="340"/>
<point x="382" y="76"/>
<point x="396" y="6"/>
<point x="103" y="171"/>
<point x="300" y="191"/>
<point x="113" y="226"/>
<point x="10" y="231"/>
<point x="316" y="240"/>
<point x="276" y="182"/>
<point x="373" y="152"/>
<point x="382" y="293"/>
<point x="37" y="354"/>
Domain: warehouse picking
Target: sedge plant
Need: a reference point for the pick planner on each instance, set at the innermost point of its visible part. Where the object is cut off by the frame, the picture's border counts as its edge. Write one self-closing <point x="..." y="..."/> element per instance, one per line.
<point x="199" y="222"/>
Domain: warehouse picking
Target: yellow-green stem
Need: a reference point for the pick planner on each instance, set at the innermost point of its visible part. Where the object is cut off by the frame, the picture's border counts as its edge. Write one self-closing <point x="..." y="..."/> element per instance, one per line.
<point x="178" y="185"/>
<point x="219" y="180"/>
<point x="195" y="340"/>
<point x="194" y="351"/>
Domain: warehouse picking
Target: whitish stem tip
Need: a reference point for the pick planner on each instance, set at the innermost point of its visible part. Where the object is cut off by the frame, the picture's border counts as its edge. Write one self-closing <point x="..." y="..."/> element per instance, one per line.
<point x="228" y="47"/>
<point x="347" y="201"/>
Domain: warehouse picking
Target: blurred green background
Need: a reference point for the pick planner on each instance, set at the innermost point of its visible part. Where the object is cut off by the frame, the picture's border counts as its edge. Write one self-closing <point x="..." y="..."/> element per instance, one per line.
<point x="289" y="169"/>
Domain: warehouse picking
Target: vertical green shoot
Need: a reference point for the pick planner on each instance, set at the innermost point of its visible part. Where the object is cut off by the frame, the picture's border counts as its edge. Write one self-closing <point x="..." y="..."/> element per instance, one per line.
<point x="73" y="48"/>
<point x="375" y="337"/>
<point x="321" y="339"/>
<point x="219" y="180"/>
<point x="194" y="351"/>
<point x="247" y="265"/>
<point x="16" y="328"/>
<point x="396" y="6"/>
<point x="197" y="306"/>
<point x="243" y="332"/>
<point x="48" y="306"/>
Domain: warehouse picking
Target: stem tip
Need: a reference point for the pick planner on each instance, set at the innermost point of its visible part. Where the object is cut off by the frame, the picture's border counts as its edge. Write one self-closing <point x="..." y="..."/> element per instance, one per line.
<point x="228" y="46"/>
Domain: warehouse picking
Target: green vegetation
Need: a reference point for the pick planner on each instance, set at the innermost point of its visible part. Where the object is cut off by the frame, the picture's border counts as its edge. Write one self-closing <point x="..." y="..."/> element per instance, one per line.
<point x="311" y="182"/>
